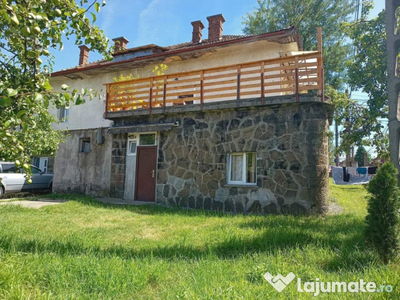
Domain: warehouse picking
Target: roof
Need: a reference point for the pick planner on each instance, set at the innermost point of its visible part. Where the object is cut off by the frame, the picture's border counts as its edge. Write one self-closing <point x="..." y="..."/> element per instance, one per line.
<point x="286" y="35"/>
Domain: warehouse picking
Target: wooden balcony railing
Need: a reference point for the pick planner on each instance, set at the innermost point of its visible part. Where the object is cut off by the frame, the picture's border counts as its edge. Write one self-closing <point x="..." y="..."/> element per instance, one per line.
<point x="290" y="75"/>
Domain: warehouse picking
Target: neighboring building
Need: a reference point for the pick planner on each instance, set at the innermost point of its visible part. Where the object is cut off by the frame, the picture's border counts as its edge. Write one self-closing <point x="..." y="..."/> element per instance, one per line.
<point x="237" y="123"/>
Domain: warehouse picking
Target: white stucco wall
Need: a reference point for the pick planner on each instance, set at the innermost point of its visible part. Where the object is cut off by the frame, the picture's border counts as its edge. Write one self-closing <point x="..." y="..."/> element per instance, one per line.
<point x="90" y="114"/>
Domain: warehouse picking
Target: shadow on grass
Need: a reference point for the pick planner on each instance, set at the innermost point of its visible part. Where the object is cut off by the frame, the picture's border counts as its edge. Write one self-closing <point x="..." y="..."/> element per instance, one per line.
<point x="340" y="234"/>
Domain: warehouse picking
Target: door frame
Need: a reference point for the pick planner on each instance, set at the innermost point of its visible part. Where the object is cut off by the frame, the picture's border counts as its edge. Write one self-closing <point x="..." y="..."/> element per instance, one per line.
<point x="137" y="163"/>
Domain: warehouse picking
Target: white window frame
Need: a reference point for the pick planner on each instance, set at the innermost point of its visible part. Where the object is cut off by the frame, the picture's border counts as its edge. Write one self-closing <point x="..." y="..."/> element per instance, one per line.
<point x="128" y="148"/>
<point x="243" y="182"/>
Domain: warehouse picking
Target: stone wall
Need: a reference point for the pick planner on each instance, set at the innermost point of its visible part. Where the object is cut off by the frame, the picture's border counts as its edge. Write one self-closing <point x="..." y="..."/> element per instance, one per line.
<point x="291" y="143"/>
<point x="118" y="163"/>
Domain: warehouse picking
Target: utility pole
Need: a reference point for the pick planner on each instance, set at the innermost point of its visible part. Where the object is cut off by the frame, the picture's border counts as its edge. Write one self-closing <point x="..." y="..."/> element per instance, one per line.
<point x="392" y="48"/>
<point x="337" y="142"/>
<point x="347" y="130"/>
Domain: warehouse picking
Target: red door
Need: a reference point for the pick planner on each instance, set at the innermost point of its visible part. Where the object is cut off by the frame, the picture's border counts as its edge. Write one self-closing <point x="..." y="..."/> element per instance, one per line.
<point x="146" y="163"/>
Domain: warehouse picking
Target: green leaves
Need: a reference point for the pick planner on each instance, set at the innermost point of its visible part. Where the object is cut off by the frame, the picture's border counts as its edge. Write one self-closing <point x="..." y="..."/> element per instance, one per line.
<point x="28" y="29"/>
<point x="11" y="92"/>
<point x="367" y="71"/>
<point x="14" y="19"/>
<point x="38" y="97"/>
<point x="21" y="113"/>
<point x="382" y="221"/>
<point x="307" y="15"/>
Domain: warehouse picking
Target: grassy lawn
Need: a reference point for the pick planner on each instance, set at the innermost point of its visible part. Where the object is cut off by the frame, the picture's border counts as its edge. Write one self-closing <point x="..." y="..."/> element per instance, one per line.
<point x="87" y="250"/>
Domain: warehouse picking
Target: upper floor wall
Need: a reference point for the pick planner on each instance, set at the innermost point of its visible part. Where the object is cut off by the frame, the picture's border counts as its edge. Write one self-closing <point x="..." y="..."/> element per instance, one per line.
<point x="91" y="114"/>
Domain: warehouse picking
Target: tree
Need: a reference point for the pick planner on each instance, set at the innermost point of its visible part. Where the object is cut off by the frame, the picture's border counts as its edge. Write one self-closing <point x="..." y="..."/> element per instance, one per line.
<point x="29" y="30"/>
<point x="382" y="220"/>
<point x="354" y="118"/>
<point x="307" y="15"/>
<point x="367" y="71"/>
<point x="359" y="157"/>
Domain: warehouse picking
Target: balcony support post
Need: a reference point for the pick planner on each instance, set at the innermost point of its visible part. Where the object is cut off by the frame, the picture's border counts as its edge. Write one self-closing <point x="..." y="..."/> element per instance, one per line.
<point x="151" y="95"/>
<point x="262" y="82"/>
<point x="164" y="93"/>
<point x="296" y="74"/>
<point x="238" y="86"/>
<point x="201" y="90"/>
<point x="107" y="99"/>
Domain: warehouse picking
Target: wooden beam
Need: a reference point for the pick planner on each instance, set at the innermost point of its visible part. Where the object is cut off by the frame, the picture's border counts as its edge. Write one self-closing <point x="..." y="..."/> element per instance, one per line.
<point x="164" y="92"/>
<point x="151" y="95"/>
<point x="107" y="99"/>
<point x="297" y="78"/>
<point x="262" y="83"/>
<point x="201" y="90"/>
<point x="238" y="85"/>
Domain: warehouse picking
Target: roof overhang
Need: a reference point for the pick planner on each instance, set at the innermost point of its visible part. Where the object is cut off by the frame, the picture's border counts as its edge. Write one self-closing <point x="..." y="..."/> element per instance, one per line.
<point x="283" y="36"/>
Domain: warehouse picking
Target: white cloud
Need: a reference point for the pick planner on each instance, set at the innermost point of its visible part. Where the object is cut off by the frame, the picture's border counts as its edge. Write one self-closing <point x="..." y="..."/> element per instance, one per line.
<point x="107" y="16"/>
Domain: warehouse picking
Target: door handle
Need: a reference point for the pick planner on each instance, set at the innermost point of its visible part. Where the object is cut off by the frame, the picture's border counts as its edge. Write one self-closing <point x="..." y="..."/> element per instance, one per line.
<point x="152" y="174"/>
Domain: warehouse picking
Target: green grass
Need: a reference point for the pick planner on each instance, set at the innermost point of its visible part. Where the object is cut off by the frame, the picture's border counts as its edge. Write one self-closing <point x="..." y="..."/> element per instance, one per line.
<point x="87" y="250"/>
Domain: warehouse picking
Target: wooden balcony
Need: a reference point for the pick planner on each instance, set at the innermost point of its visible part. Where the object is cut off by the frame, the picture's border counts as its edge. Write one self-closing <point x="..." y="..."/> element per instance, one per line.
<point x="290" y="75"/>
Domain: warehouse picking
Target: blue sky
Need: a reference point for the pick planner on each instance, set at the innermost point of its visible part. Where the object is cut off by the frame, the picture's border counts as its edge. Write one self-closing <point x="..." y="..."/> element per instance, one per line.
<point x="161" y="22"/>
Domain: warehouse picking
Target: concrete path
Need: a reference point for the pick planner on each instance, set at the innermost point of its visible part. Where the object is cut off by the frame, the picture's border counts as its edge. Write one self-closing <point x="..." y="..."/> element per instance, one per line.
<point x="119" y="201"/>
<point x="45" y="202"/>
<point x="33" y="204"/>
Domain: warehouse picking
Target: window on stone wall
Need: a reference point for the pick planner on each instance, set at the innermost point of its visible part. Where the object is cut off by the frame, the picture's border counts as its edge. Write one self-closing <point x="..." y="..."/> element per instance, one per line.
<point x="242" y="168"/>
<point x="84" y="145"/>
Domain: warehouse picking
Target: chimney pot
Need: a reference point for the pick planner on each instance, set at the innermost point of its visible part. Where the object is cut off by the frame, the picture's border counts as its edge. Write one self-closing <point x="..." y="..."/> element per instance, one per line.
<point x="197" y="31"/>
<point x="120" y="44"/>
<point x="83" y="55"/>
<point x="215" y="27"/>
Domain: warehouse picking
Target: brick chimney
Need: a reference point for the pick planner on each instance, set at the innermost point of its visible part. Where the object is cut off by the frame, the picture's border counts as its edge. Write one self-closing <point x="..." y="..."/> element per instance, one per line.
<point x="83" y="55"/>
<point x="197" y="34"/>
<point x="120" y="44"/>
<point x="215" y="27"/>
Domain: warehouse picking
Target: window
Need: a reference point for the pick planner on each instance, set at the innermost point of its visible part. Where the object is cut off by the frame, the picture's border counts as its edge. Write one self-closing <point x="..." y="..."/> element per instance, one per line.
<point x="132" y="147"/>
<point x="242" y="168"/>
<point x="147" y="139"/>
<point x="84" y="145"/>
<point x="35" y="170"/>
<point x="8" y="168"/>
<point x="63" y="114"/>
<point x="36" y="161"/>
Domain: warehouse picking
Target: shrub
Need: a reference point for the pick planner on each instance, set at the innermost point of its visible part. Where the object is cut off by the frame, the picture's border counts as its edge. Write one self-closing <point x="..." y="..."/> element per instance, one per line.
<point x="382" y="231"/>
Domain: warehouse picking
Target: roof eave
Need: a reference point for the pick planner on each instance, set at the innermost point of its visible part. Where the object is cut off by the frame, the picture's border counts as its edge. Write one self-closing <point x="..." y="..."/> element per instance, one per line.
<point x="284" y="32"/>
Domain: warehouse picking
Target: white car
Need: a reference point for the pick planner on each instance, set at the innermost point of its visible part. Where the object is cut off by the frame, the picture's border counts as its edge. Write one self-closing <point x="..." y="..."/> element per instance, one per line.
<point x="12" y="179"/>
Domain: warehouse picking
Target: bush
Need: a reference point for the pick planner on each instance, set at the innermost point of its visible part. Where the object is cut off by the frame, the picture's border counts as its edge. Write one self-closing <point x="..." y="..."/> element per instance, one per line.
<point x="382" y="232"/>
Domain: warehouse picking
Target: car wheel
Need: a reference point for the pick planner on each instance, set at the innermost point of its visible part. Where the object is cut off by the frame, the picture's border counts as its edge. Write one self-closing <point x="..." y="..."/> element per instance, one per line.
<point x="1" y="191"/>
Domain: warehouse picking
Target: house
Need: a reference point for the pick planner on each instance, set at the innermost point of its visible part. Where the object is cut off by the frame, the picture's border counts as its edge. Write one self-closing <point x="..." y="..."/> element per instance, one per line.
<point x="237" y="123"/>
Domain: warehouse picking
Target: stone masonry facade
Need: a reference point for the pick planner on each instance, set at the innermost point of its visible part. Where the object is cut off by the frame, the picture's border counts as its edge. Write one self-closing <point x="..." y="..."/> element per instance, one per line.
<point x="291" y="146"/>
<point x="118" y="159"/>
